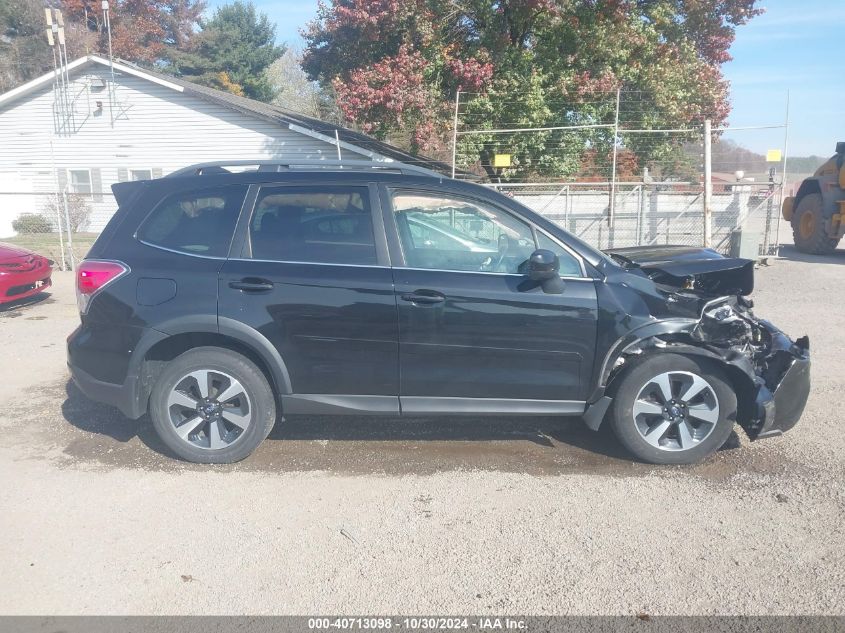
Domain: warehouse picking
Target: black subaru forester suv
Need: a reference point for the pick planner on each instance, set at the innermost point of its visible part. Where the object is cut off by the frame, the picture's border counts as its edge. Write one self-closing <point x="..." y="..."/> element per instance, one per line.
<point x="218" y="299"/>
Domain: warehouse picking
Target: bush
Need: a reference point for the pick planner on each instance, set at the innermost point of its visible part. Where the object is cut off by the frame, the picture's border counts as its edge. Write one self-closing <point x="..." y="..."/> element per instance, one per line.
<point x="32" y="223"/>
<point x="77" y="208"/>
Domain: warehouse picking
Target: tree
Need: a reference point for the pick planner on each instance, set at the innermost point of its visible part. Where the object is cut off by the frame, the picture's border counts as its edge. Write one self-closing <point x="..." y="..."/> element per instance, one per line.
<point x="231" y="52"/>
<point x="24" y="52"/>
<point x="179" y="18"/>
<point x="396" y="65"/>
<point x="292" y="88"/>
<point x="142" y="30"/>
<point x="77" y="207"/>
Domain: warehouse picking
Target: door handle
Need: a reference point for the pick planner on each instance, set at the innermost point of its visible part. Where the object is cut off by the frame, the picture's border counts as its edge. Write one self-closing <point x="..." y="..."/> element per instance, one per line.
<point x="252" y="285"/>
<point x="423" y="297"/>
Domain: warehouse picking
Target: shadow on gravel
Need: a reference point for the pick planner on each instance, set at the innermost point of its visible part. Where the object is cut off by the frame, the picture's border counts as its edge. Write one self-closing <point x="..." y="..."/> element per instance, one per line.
<point x="792" y="253"/>
<point x="360" y="445"/>
<point x="13" y="308"/>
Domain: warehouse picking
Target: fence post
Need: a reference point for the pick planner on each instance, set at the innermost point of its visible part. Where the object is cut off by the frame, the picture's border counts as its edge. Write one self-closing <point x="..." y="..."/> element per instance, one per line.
<point x="708" y="184"/>
<point x="641" y="208"/>
<point x="455" y="131"/>
<point x="783" y="181"/>
<point x="612" y="207"/>
<point x="59" y="203"/>
<point x="69" y="232"/>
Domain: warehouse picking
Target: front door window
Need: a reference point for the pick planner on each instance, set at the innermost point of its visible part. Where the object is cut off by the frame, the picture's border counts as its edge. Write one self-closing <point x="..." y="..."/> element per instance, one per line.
<point x="444" y="233"/>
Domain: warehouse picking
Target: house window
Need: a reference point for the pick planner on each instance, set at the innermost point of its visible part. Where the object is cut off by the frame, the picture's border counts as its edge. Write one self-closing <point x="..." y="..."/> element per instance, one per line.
<point x="140" y="174"/>
<point x="79" y="181"/>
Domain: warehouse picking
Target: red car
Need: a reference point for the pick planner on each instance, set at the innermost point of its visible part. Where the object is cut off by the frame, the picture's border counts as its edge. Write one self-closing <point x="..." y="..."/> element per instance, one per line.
<point x="22" y="273"/>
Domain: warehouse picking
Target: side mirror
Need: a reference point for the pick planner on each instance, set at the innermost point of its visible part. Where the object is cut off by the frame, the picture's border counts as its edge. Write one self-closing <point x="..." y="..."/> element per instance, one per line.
<point x="544" y="270"/>
<point x="543" y="265"/>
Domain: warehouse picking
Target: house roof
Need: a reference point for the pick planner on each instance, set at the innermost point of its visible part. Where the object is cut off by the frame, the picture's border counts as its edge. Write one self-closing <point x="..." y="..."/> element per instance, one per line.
<point x="297" y="122"/>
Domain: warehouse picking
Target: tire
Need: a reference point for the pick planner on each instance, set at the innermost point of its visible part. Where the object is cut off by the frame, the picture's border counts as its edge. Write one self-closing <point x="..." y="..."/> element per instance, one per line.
<point x="206" y="429"/>
<point x="808" y="230"/>
<point x="640" y="410"/>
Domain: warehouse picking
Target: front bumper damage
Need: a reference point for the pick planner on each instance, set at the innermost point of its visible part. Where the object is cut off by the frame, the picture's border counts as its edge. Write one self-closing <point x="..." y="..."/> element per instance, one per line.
<point x="783" y="386"/>
<point x="696" y="303"/>
<point x="770" y="373"/>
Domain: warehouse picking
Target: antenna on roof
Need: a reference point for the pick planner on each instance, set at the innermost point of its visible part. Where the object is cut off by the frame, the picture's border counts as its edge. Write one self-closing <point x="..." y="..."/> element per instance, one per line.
<point x="60" y="21"/>
<point x="61" y="110"/>
<point x="56" y="41"/>
<point x="107" y="20"/>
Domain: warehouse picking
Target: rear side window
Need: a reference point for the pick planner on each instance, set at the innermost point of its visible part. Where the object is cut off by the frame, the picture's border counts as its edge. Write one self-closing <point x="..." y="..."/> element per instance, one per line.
<point x="199" y="222"/>
<point x="326" y="225"/>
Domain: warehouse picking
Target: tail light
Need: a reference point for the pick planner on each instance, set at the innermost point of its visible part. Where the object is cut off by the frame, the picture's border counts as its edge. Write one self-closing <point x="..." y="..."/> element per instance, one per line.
<point x="92" y="276"/>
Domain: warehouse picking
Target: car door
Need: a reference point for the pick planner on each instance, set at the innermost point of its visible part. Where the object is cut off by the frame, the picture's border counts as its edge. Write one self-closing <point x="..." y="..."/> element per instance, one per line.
<point x="474" y="333"/>
<point x="313" y="279"/>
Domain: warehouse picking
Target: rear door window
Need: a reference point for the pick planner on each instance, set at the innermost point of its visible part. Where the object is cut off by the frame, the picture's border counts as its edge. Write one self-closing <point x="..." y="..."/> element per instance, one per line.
<point x="321" y="225"/>
<point x="197" y="223"/>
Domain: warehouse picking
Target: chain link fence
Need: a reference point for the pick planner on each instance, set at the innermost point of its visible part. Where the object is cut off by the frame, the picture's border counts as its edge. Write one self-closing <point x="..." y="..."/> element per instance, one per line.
<point x="620" y="178"/>
<point x="648" y="214"/>
<point x="624" y="179"/>
<point x="60" y="226"/>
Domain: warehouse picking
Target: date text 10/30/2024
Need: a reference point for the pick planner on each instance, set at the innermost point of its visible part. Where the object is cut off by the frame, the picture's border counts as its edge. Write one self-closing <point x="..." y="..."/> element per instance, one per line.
<point x="418" y="623"/>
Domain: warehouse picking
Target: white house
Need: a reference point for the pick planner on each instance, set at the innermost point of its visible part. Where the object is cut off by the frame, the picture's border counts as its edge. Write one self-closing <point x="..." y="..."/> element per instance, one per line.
<point x="110" y="123"/>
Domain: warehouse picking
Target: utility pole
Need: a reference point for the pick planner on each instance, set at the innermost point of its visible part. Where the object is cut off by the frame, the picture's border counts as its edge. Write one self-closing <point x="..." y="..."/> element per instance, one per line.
<point x="708" y="183"/>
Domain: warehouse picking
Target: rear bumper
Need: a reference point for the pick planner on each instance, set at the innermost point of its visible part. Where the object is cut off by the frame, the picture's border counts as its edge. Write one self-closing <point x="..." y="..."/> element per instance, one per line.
<point x="124" y="397"/>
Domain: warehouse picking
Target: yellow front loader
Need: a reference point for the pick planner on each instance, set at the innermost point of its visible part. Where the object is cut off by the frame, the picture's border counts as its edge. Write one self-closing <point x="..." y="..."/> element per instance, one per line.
<point x="817" y="211"/>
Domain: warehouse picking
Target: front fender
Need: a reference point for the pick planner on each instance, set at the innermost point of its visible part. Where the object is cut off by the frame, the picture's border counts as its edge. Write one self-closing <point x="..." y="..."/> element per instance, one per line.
<point x="630" y="340"/>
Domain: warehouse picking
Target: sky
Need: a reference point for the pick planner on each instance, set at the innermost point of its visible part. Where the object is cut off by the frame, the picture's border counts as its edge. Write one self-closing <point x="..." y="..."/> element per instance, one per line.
<point x="795" y="46"/>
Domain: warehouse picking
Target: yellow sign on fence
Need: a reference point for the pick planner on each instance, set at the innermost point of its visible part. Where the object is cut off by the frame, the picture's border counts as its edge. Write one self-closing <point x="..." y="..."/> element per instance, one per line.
<point x="502" y="160"/>
<point x="773" y="156"/>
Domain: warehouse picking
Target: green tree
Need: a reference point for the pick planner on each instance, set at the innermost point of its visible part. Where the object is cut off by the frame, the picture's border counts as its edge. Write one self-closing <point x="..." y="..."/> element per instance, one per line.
<point x="231" y="52"/>
<point x="396" y="65"/>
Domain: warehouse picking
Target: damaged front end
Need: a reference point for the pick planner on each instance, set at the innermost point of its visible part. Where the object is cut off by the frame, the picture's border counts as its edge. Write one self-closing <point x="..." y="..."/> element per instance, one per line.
<point x="705" y="304"/>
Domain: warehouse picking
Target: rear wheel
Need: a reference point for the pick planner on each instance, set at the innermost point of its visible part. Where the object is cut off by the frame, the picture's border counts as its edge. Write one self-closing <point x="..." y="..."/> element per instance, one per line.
<point x="808" y="231"/>
<point x="673" y="409"/>
<point x="212" y="405"/>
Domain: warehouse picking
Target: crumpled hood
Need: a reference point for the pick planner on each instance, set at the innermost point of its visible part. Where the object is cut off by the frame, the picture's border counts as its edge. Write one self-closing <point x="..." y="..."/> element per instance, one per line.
<point x="698" y="269"/>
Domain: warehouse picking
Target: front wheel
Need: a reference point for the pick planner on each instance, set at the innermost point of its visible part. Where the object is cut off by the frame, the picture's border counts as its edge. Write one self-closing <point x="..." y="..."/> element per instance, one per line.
<point x="808" y="230"/>
<point x="673" y="409"/>
<point x="212" y="405"/>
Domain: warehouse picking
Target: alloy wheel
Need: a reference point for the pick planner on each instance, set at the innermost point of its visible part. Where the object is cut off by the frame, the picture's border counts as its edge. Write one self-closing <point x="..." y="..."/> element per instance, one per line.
<point x="676" y="410"/>
<point x="209" y="409"/>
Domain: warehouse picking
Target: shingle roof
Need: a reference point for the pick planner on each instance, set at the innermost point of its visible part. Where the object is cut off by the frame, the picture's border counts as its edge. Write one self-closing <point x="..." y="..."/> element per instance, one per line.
<point x="276" y="114"/>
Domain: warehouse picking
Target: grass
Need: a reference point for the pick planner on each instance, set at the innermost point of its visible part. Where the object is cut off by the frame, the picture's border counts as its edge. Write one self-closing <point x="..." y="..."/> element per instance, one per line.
<point x="47" y="244"/>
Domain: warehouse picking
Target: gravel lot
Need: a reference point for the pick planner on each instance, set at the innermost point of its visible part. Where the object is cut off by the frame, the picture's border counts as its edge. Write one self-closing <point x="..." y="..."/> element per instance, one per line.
<point x="355" y="516"/>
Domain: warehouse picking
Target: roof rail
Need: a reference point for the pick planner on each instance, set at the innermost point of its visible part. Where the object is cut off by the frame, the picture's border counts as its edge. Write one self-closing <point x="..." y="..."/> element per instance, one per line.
<point x="220" y="167"/>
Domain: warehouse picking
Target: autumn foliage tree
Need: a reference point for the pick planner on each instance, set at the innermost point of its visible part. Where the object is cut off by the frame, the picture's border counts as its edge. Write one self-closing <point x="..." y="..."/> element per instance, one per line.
<point x="143" y="31"/>
<point x="396" y="65"/>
